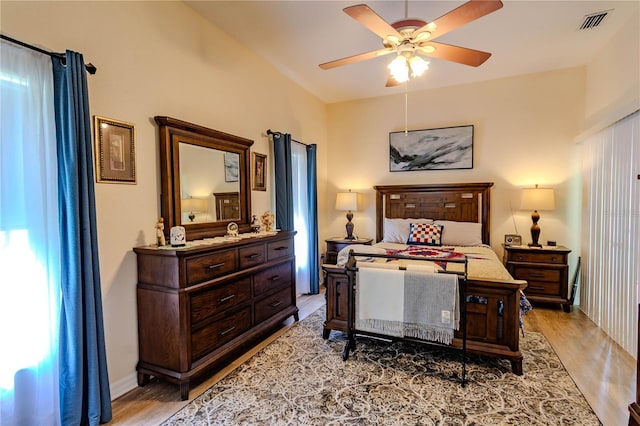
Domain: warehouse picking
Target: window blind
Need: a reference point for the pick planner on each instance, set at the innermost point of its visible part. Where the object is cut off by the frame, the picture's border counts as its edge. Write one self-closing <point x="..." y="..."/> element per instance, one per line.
<point x="611" y="230"/>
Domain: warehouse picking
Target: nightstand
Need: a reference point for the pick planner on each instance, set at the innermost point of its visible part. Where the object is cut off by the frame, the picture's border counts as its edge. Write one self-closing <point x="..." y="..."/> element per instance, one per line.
<point x="545" y="269"/>
<point x="334" y="245"/>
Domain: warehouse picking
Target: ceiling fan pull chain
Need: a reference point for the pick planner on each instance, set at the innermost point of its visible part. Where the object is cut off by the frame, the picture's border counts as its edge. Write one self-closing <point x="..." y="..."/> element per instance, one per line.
<point x="406" y="106"/>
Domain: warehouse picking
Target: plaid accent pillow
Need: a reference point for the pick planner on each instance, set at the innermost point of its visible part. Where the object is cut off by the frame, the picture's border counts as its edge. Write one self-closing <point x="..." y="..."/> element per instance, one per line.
<point x="427" y="234"/>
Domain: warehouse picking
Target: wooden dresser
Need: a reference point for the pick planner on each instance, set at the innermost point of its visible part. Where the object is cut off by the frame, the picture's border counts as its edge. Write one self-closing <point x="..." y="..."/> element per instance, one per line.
<point x="199" y="306"/>
<point x="546" y="271"/>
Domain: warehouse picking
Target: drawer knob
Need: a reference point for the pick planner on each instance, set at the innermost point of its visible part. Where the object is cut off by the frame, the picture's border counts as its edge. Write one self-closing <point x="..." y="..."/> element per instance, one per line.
<point x="227" y="331"/>
<point x="276" y="303"/>
<point x="554" y="259"/>
<point x="215" y="266"/>
<point x="226" y="299"/>
<point x="275" y="278"/>
<point x="535" y="288"/>
<point x="536" y="275"/>
<point x="281" y="248"/>
<point x="252" y="256"/>
<point x="520" y="258"/>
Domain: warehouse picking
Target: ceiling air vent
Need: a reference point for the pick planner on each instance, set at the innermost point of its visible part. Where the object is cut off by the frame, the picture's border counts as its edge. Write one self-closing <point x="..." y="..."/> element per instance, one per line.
<point x="593" y="20"/>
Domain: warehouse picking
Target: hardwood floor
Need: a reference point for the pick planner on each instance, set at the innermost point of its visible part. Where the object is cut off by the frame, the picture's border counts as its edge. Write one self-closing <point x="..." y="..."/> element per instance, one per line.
<point x="603" y="372"/>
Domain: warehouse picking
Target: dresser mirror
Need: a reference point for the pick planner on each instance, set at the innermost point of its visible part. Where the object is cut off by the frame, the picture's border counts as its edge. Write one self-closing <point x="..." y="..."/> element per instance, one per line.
<point x="205" y="177"/>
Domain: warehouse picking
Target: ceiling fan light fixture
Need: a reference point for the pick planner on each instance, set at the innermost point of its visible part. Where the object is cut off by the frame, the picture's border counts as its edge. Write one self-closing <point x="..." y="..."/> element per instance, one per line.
<point x="418" y="66"/>
<point x="399" y="69"/>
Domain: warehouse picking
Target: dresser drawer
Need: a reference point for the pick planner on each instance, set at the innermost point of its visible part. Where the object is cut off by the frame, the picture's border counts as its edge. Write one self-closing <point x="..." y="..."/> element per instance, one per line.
<point x="537" y="274"/>
<point x="251" y="256"/>
<point x="272" y="278"/>
<point x="206" y="304"/>
<point x="210" y="266"/>
<point x="279" y="249"/>
<point x="273" y="303"/>
<point x="219" y="332"/>
<point x="555" y="258"/>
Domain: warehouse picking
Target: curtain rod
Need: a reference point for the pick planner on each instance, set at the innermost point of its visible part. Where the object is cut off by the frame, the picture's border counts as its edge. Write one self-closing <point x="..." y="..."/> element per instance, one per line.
<point x="91" y="69"/>
<point x="277" y="134"/>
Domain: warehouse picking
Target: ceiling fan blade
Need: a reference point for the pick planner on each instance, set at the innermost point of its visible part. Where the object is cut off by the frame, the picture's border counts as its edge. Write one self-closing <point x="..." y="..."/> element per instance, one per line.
<point x="391" y="82"/>
<point x="370" y="19"/>
<point x="357" y="58"/>
<point x="468" y="12"/>
<point x="461" y="55"/>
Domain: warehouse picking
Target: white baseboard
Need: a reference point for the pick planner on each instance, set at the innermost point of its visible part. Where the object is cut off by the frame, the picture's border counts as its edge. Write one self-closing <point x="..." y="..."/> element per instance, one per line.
<point x="123" y="385"/>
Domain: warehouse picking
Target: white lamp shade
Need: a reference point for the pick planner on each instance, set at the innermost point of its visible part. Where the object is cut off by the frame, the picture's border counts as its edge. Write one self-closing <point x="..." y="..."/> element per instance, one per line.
<point x="537" y="199"/>
<point x="347" y="201"/>
<point x="195" y="205"/>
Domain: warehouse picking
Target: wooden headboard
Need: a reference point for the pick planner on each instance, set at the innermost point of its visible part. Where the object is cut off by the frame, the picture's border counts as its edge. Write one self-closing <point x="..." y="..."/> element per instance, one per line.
<point x="463" y="202"/>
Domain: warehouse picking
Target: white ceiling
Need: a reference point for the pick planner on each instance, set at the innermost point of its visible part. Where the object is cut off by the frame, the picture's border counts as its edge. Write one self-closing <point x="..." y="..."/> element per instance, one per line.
<point x="523" y="37"/>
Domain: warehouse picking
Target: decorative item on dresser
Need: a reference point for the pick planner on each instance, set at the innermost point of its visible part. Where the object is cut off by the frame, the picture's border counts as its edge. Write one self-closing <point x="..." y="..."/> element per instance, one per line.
<point x="200" y="305"/>
<point x="545" y="269"/>
<point x="493" y="302"/>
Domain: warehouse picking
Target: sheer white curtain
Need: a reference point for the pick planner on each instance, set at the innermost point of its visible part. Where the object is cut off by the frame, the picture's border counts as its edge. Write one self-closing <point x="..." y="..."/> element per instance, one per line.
<point x="29" y="243"/>
<point x="300" y="215"/>
<point x="611" y="231"/>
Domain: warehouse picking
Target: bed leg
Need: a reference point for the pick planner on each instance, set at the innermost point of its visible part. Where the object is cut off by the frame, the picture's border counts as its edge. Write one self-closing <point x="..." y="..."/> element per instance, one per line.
<point x="516" y="367"/>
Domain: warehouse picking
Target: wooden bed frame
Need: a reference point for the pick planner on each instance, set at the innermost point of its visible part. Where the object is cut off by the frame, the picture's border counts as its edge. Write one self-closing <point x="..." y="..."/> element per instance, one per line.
<point x="493" y="306"/>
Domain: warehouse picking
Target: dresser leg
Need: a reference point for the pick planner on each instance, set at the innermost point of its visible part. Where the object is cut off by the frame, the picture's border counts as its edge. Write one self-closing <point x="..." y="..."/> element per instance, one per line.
<point x="143" y="379"/>
<point x="184" y="391"/>
<point x="566" y="307"/>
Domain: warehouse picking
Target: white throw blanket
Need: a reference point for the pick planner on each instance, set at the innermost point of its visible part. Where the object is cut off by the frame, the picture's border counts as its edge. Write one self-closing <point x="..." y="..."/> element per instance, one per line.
<point x="415" y="303"/>
<point x="380" y="301"/>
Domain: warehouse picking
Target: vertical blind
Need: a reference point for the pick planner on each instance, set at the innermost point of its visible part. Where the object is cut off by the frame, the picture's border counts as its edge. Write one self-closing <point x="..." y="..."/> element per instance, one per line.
<point x="611" y="230"/>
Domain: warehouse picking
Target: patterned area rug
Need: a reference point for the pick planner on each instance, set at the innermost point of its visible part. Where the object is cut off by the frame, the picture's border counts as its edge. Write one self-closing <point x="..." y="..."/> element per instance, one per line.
<point x="300" y="379"/>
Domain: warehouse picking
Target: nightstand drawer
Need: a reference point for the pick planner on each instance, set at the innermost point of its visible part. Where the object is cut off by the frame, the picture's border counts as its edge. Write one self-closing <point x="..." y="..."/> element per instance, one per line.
<point x="541" y="288"/>
<point x="536" y="274"/>
<point x="555" y="258"/>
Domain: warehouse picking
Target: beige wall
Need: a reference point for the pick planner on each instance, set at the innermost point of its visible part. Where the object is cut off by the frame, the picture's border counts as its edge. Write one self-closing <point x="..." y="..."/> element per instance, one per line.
<point x="160" y="58"/>
<point x="523" y="134"/>
<point x="613" y="78"/>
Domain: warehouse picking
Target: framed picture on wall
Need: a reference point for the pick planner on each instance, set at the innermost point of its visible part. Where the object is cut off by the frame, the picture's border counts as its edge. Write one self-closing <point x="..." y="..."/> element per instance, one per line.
<point x="431" y="149"/>
<point x="115" y="150"/>
<point x="231" y="167"/>
<point x="259" y="172"/>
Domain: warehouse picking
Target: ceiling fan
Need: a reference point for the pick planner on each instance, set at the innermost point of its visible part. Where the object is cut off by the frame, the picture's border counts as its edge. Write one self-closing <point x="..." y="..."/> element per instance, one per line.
<point x="410" y="38"/>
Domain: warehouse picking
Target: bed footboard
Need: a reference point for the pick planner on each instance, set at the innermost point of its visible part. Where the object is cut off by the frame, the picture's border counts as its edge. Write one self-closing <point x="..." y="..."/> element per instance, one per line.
<point x="493" y="315"/>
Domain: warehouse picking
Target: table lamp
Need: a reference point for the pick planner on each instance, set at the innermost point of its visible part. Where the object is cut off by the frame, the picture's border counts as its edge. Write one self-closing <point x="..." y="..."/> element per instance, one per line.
<point x="537" y="199"/>
<point x="193" y="206"/>
<point x="348" y="201"/>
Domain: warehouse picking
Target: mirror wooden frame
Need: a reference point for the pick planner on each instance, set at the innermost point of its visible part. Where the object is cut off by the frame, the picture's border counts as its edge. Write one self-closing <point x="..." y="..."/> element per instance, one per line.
<point x="171" y="132"/>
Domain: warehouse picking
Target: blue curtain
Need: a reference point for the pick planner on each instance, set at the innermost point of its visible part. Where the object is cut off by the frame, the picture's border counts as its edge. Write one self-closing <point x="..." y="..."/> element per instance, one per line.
<point x="84" y="383"/>
<point x="312" y="188"/>
<point x="284" y="184"/>
<point x="284" y="175"/>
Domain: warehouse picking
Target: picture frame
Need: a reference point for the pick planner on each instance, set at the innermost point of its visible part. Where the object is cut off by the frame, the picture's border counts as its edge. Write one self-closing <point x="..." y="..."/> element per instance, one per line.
<point x="115" y="150"/>
<point x="259" y="172"/>
<point x="444" y="148"/>
<point x="231" y="167"/>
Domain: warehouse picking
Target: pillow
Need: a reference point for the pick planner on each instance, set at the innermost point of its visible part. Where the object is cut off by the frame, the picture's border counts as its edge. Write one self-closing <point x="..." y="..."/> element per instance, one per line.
<point x="397" y="230"/>
<point x="426" y="234"/>
<point x="460" y="233"/>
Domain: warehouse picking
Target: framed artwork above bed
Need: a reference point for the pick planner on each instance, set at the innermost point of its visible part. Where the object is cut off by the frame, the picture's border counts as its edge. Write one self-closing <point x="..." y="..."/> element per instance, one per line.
<point x="432" y="149"/>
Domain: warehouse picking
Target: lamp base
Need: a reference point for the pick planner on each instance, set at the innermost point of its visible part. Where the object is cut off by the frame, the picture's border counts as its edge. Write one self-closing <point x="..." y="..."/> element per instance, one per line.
<point x="534" y="245"/>
<point x="349" y="227"/>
